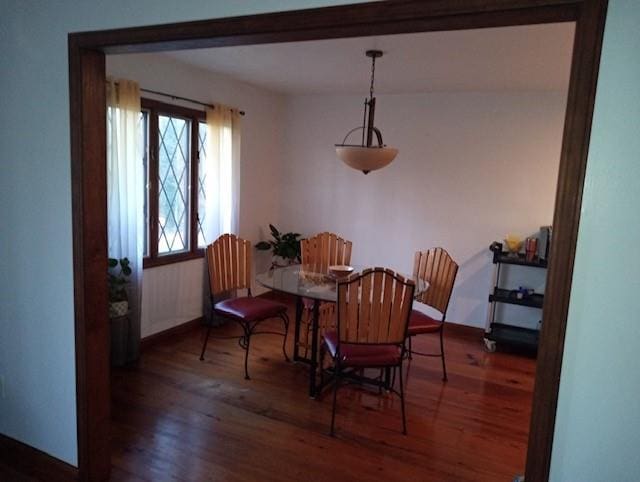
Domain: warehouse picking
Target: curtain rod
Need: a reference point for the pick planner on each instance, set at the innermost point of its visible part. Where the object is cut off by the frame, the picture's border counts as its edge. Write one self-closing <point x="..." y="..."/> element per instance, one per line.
<point x="177" y="97"/>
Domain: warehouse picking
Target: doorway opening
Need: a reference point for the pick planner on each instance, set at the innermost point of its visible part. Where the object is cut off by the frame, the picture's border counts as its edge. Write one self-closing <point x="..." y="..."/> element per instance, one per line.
<point x="87" y="60"/>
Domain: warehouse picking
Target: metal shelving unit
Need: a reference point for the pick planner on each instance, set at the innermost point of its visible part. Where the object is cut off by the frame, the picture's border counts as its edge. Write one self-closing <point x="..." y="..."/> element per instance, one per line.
<point x="503" y="333"/>
<point x="501" y="295"/>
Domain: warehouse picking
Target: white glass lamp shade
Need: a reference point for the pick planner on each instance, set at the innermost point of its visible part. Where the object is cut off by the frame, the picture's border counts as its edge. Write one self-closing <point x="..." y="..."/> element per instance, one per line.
<point x="364" y="158"/>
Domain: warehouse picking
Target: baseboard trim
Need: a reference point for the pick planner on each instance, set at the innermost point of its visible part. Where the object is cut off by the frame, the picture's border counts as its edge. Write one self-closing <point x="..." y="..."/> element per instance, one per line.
<point x="164" y="335"/>
<point x="472" y="332"/>
<point x="31" y="462"/>
<point x="464" y="330"/>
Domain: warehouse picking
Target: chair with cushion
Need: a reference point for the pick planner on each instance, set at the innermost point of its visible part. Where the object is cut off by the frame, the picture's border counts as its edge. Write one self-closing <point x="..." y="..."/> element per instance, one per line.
<point x="437" y="268"/>
<point x="372" y="317"/>
<point x="323" y="250"/>
<point x="318" y="253"/>
<point x="229" y="267"/>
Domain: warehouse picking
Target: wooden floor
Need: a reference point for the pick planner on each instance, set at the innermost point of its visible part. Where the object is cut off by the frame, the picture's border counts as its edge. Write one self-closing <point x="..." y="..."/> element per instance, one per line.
<point x="177" y="418"/>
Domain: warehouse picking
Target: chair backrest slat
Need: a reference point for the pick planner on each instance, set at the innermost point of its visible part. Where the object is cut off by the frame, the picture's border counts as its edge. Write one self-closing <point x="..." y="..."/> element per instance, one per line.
<point x="437" y="268"/>
<point x="330" y="250"/>
<point x="229" y="264"/>
<point x="351" y="324"/>
<point x="233" y="270"/>
<point x="396" y="308"/>
<point x="323" y="250"/>
<point x="385" y="312"/>
<point x="365" y="309"/>
<point x="374" y="307"/>
<point x="248" y="262"/>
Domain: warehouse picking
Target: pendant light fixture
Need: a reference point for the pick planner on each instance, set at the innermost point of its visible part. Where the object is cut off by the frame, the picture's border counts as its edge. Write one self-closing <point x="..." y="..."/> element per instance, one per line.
<point x="366" y="156"/>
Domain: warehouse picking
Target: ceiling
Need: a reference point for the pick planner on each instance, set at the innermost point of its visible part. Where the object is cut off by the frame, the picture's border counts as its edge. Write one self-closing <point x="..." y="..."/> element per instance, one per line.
<point x="532" y="57"/>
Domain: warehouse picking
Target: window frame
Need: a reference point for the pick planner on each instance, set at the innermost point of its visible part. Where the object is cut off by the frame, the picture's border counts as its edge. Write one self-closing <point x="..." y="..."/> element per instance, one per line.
<point x="154" y="109"/>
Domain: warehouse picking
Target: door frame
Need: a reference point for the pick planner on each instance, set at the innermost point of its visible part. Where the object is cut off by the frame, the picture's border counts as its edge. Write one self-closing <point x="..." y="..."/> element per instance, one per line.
<point x="88" y="167"/>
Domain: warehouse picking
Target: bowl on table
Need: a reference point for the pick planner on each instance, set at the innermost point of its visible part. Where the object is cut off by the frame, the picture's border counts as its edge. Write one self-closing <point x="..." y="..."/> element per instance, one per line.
<point x="340" y="271"/>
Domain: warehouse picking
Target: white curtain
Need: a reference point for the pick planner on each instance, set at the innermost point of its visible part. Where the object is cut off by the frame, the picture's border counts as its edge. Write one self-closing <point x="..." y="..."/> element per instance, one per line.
<point x="222" y="182"/>
<point x="222" y="167"/>
<point x="125" y="193"/>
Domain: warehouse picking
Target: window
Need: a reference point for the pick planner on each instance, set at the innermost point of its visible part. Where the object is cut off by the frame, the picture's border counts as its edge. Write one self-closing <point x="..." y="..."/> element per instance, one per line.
<point x="174" y="151"/>
<point x="202" y="177"/>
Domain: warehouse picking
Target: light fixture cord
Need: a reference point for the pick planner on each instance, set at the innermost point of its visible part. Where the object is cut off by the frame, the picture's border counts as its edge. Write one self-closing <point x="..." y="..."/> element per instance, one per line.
<point x="373" y="73"/>
<point x="364" y="121"/>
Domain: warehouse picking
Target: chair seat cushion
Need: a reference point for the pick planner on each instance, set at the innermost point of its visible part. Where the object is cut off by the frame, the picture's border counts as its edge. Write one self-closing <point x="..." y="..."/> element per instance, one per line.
<point x="247" y="308"/>
<point x="361" y="355"/>
<point x="420" y="323"/>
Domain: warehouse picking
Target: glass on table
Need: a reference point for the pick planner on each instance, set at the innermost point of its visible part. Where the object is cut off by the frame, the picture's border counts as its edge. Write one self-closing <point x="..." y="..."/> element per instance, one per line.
<point x="297" y="281"/>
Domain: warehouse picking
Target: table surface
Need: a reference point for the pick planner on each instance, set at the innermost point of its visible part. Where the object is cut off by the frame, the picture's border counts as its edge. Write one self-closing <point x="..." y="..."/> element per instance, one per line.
<point x="319" y="286"/>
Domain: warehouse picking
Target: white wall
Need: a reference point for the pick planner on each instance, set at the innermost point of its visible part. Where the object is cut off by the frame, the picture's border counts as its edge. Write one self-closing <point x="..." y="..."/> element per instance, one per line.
<point x="172" y="294"/>
<point x="597" y="431"/>
<point x="472" y="167"/>
<point x="37" y="356"/>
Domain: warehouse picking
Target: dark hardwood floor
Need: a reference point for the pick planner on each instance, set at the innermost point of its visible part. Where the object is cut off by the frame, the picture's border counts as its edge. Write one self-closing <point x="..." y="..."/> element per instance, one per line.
<point x="177" y="418"/>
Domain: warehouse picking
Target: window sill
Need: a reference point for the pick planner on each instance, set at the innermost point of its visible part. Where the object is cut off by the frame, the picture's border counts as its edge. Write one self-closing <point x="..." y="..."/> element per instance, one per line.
<point x="172" y="258"/>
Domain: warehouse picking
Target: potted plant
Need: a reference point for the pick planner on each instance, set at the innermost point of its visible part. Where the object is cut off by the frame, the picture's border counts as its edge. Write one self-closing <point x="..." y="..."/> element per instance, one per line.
<point x="119" y="272"/>
<point x="284" y="246"/>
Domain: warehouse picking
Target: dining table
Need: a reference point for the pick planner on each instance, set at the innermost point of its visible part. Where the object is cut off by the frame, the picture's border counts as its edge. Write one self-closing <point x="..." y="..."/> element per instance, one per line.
<point x="310" y="287"/>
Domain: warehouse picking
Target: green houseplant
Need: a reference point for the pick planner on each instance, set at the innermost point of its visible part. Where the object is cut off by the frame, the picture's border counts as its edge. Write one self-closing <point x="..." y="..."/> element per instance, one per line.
<point x="119" y="272"/>
<point x="285" y="246"/>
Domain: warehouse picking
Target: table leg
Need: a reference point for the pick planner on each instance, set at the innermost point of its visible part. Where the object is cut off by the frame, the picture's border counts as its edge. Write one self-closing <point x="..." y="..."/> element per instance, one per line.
<point x="313" y="367"/>
<point x="296" y="335"/>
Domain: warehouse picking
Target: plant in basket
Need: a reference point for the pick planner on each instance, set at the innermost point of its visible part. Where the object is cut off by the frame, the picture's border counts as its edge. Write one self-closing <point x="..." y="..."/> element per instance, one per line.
<point x="119" y="271"/>
<point x="285" y="247"/>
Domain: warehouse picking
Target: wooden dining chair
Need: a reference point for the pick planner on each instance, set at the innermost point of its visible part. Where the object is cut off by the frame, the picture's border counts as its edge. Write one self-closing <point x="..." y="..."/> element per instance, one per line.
<point x="373" y="314"/>
<point x="229" y="268"/>
<point x="318" y="253"/>
<point x="437" y="268"/>
<point x="323" y="250"/>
